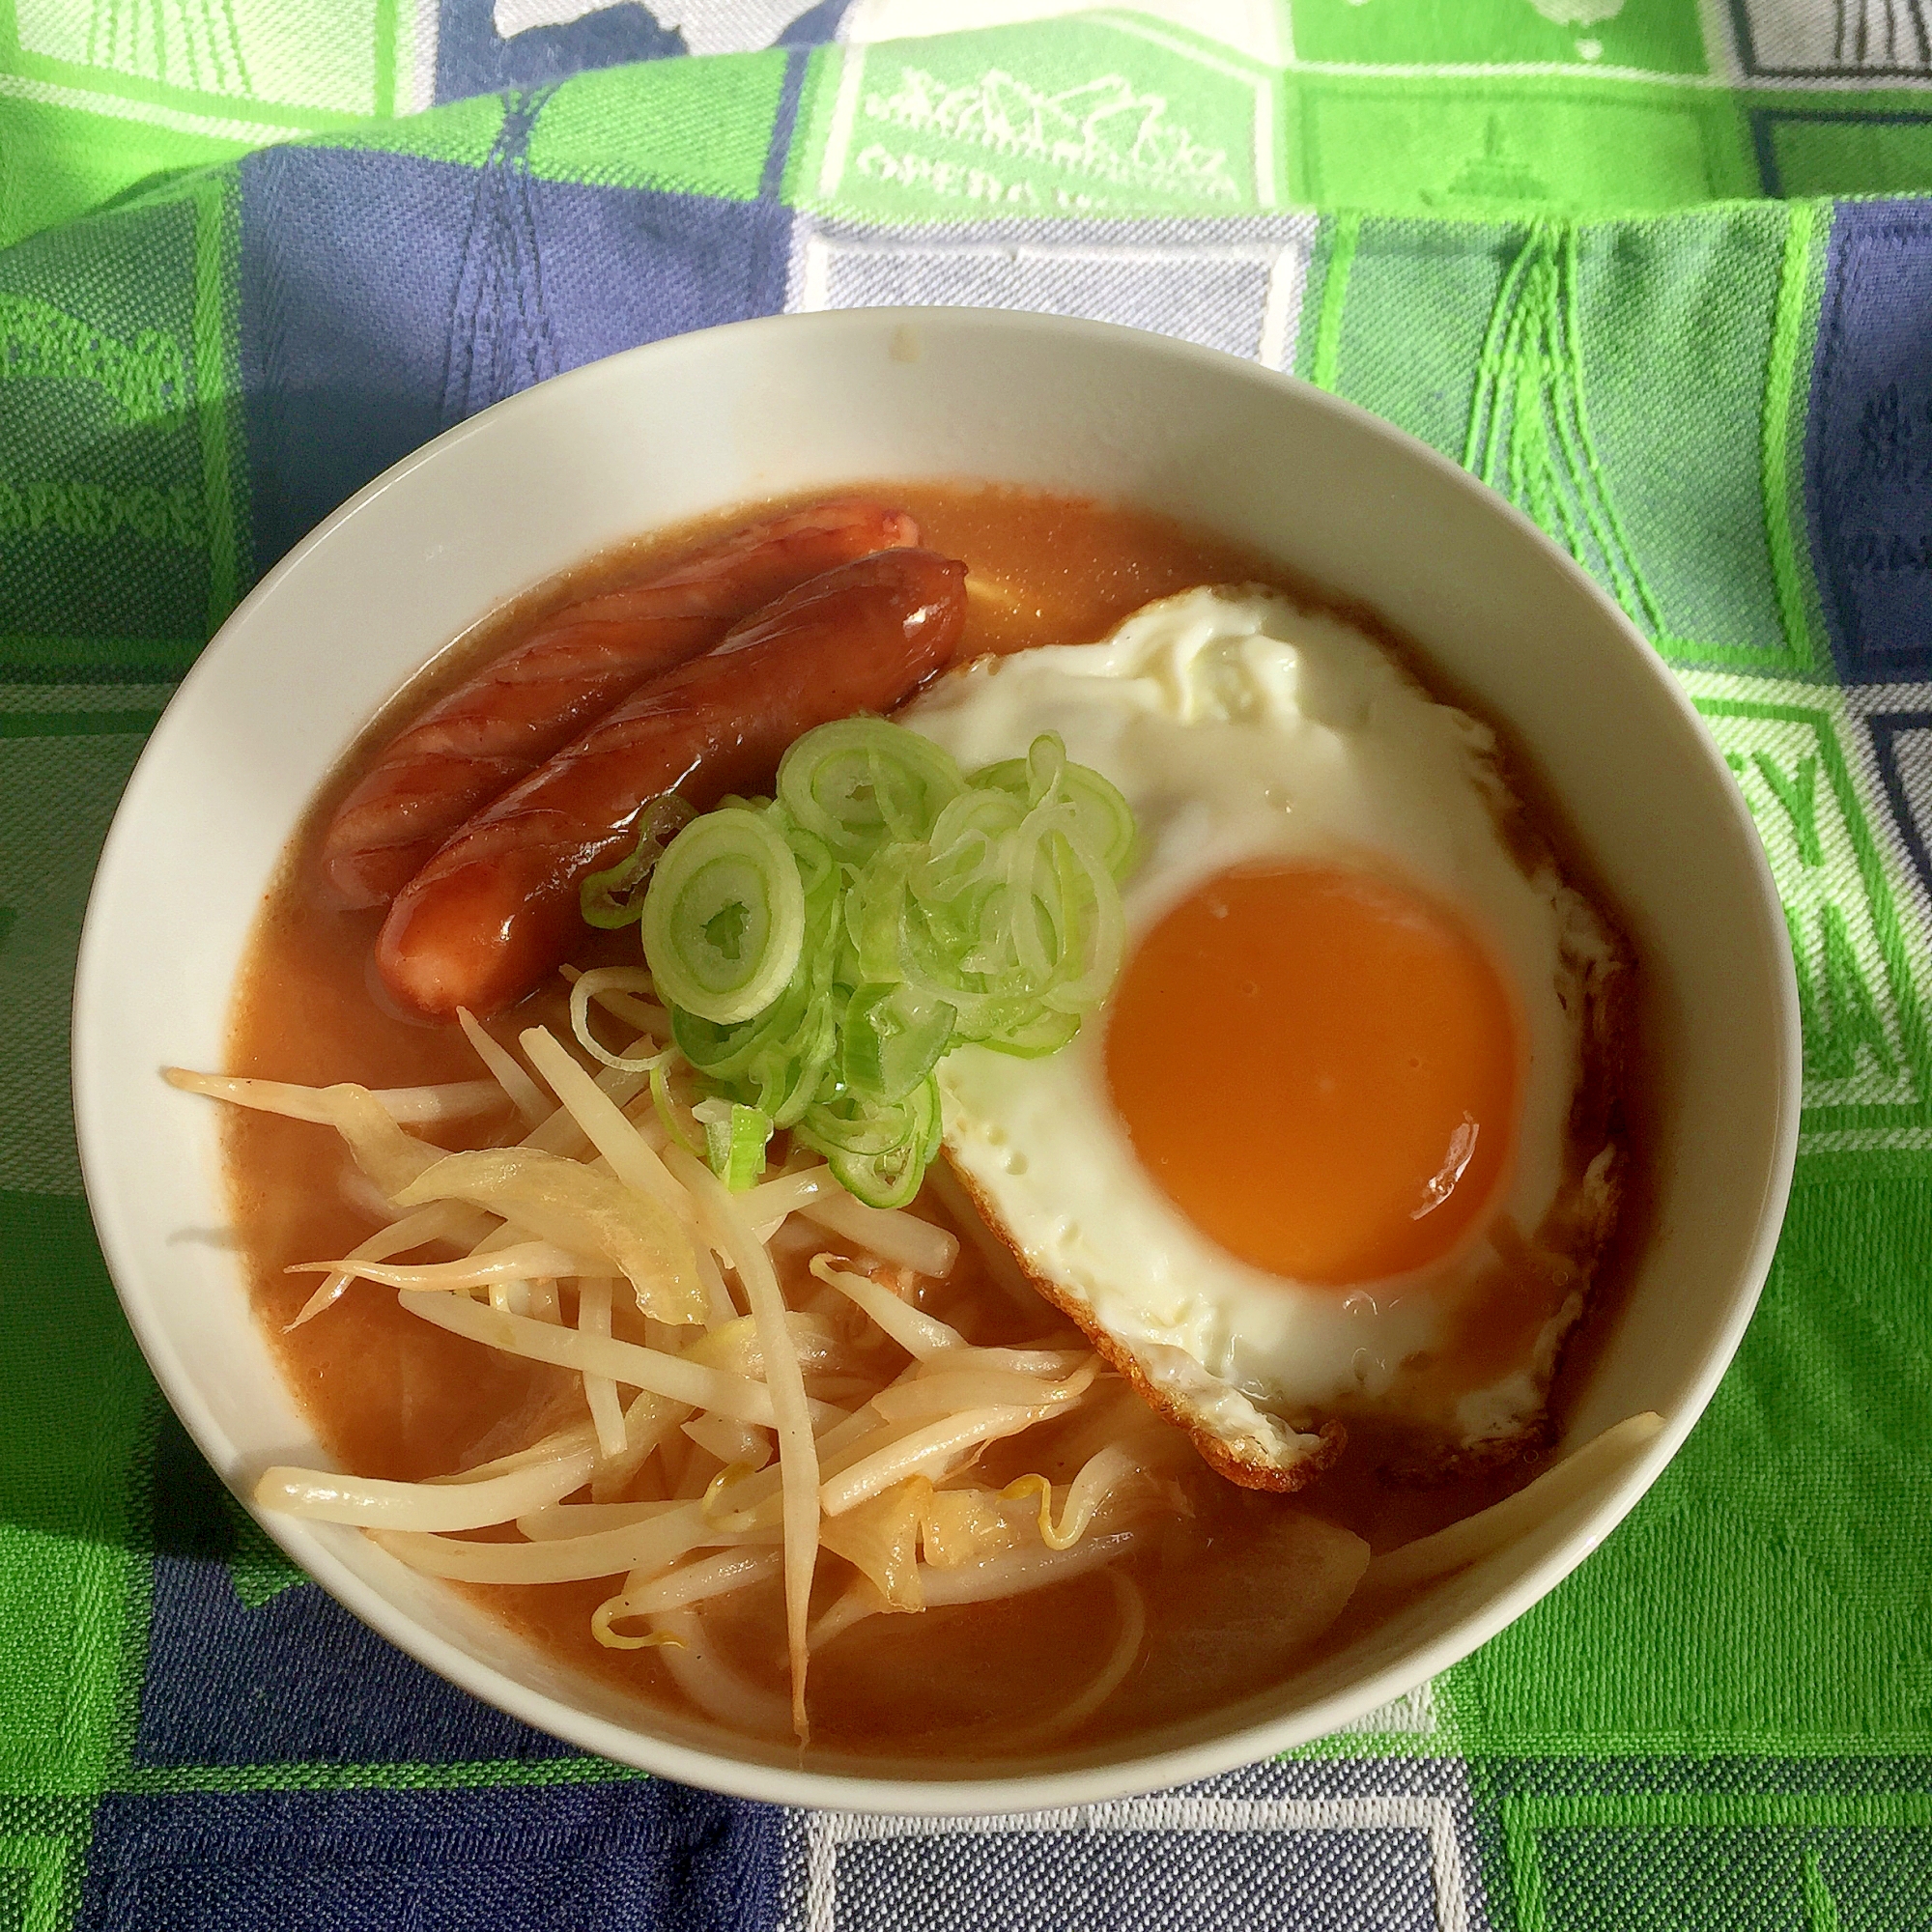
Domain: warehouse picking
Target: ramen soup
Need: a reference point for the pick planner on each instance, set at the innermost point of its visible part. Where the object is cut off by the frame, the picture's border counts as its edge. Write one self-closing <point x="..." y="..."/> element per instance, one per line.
<point x="1232" y="1310"/>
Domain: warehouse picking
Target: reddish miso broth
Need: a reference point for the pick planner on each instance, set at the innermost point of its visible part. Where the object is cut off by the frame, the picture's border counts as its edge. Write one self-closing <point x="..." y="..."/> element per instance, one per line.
<point x="392" y="1396"/>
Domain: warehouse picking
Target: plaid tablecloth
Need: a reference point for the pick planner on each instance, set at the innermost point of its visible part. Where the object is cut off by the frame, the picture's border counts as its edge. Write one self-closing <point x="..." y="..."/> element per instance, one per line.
<point x="1650" y="268"/>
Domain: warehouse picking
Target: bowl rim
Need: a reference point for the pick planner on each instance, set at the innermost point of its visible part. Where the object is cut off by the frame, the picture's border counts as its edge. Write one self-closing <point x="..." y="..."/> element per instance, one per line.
<point x="1137" y="1771"/>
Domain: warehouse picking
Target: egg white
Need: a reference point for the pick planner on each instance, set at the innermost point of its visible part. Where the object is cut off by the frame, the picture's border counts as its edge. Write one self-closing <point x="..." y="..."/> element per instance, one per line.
<point x="1240" y="728"/>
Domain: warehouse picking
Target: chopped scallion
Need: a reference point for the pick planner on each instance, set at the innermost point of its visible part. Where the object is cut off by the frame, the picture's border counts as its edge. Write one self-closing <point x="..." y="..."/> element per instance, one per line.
<point x="724" y="917"/>
<point x="615" y="897"/>
<point x="822" y="951"/>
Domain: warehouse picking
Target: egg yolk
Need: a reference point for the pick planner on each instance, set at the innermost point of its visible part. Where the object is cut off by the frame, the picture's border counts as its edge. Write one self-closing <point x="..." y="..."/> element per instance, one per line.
<point x="1321" y="1068"/>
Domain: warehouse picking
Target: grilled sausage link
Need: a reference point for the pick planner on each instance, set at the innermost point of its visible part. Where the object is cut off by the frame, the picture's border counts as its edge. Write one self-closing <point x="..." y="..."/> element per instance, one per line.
<point x="497" y="909"/>
<point x="495" y="728"/>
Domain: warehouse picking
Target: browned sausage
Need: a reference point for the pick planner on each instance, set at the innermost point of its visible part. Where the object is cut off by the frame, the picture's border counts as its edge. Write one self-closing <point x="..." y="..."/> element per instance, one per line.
<point x="496" y="908"/>
<point x="499" y="726"/>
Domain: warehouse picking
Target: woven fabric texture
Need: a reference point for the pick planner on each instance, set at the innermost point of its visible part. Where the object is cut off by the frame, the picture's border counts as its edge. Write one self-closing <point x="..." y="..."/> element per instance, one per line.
<point x="1653" y="268"/>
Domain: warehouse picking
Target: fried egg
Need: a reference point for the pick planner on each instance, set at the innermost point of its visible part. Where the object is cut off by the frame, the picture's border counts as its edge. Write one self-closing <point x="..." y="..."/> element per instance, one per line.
<point x="1321" y="1155"/>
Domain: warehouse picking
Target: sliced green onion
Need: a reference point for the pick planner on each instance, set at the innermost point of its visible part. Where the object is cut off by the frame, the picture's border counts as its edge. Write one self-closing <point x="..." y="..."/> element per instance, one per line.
<point x="734" y="1141"/>
<point x="963" y="851"/>
<point x="892" y="1177"/>
<point x="1033" y="1037"/>
<point x="724" y="917"/>
<point x="615" y="897"/>
<point x="892" y="1039"/>
<point x="821" y="952"/>
<point x="1106" y="825"/>
<point x="725" y="1053"/>
<point x="786" y="1091"/>
<point x="1102" y="929"/>
<point x="850" y="1124"/>
<point x="860" y="782"/>
<point x="818" y="869"/>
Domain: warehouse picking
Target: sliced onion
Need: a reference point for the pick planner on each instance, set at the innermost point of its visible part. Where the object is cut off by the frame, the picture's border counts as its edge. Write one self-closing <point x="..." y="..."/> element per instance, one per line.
<point x="578" y="1209"/>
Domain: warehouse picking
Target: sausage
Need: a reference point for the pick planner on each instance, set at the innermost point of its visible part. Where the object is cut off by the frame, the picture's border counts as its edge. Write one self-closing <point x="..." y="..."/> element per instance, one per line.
<point x="496" y="728"/>
<point x="497" y="909"/>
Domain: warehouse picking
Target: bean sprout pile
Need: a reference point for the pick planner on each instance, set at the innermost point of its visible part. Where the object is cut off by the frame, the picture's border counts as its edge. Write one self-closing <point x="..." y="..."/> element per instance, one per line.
<point x="829" y="1421"/>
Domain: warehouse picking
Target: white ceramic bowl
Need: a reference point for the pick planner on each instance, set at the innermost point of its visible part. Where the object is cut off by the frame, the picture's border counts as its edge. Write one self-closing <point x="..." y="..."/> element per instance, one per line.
<point x="797" y="402"/>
